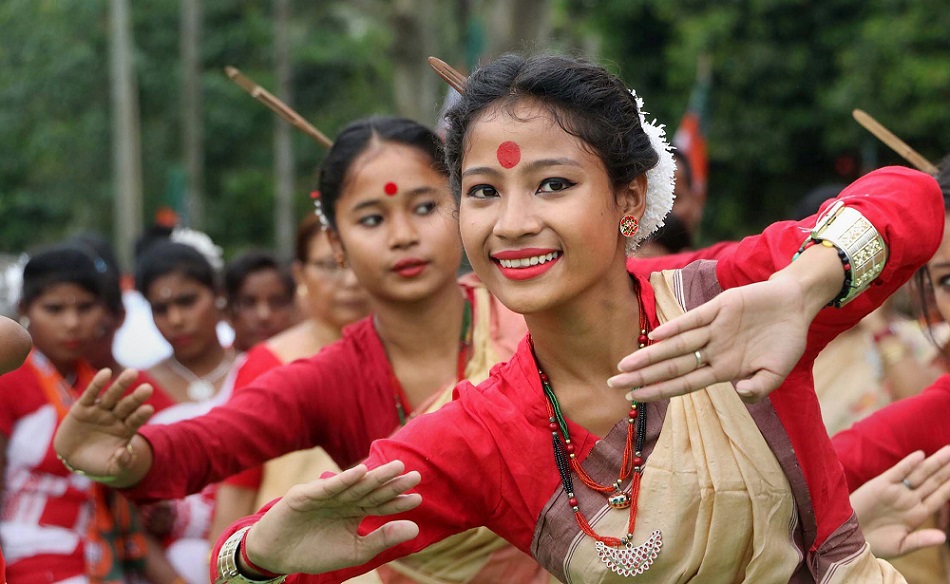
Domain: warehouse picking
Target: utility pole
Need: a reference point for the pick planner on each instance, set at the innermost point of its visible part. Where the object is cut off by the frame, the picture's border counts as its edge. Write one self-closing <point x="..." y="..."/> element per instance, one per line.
<point x="191" y="116"/>
<point x="126" y="135"/>
<point x="283" y="140"/>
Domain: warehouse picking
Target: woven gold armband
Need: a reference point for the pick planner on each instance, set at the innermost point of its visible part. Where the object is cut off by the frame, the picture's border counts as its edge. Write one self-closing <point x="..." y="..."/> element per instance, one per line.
<point x="227" y="571"/>
<point x="860" y="246"/>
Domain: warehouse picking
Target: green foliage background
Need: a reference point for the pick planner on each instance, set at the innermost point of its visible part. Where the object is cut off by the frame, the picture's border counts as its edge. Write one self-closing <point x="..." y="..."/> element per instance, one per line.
<point x="786" y="74"/>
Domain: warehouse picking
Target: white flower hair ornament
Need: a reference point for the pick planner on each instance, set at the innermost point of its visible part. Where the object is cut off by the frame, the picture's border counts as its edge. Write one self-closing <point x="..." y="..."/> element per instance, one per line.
<point x="660" y="180"/>
<point x="201" y="242"/>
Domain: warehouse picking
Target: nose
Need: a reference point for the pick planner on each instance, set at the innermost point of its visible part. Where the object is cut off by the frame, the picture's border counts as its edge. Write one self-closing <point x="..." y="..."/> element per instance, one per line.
<point x="176" y="316"/>
<point x="71" y="318"/>
<point x="402" y="231"/>
<point x="263" y="310"/>
<point x="517" y="217"/>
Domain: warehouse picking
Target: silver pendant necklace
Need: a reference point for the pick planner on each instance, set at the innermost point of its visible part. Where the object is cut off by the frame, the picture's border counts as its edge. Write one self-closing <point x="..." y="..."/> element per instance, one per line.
<point x="201" y="388"/>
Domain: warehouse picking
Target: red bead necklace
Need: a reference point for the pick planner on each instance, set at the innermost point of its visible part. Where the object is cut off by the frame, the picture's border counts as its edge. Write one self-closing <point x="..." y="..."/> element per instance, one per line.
<point x="619" y="554"/>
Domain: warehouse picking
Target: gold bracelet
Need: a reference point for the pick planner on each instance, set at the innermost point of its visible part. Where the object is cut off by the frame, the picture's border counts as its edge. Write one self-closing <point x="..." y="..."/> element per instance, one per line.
<point x="859" y="244"/>
<point x="105" y="479"/>
<point x="227" y="563"/>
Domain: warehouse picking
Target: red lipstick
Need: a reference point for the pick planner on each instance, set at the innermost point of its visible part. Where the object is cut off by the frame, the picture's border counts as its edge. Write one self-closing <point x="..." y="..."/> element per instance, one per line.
<point x="525" y="264"/>
<point x="410" y="267"/>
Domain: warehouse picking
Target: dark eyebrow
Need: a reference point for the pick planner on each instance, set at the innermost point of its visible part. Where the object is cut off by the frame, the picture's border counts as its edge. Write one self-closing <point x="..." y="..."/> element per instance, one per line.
<point x="365" y="204"/>
<point x="420" y="190"/>
<point x="545" y="162"/>
<point x="482" y="170"/>
<point x="941" y="265"/>
<point x="531" y="166"/>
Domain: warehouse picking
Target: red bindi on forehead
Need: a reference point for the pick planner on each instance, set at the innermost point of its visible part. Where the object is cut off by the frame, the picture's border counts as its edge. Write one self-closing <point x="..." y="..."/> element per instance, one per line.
<point x="390" y="188"/>
<point x="508" y="154"/>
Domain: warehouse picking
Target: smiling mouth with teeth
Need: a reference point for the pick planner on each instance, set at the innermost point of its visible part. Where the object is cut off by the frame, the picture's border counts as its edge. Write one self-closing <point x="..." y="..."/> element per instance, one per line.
<point x="531" y="261"/>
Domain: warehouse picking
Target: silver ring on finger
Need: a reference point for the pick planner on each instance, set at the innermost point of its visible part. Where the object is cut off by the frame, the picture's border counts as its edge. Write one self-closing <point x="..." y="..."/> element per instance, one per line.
<point x="907" y="484"/>
<point x="699" y="359"/>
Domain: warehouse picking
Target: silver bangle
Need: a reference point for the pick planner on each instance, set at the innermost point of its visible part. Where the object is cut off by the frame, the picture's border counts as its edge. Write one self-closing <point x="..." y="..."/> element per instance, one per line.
<point x="227" y="563"/>
<point x="859" y="245"/>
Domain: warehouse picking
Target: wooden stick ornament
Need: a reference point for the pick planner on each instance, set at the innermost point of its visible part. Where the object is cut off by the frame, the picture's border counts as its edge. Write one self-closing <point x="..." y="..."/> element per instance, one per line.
<point x="277" y="106"/>
<point x="455" y="79"/>
<point x="893" y="142"/>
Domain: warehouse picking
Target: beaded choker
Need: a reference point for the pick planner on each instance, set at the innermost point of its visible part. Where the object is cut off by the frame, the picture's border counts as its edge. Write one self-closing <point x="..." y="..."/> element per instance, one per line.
<point x="619" y="554"/>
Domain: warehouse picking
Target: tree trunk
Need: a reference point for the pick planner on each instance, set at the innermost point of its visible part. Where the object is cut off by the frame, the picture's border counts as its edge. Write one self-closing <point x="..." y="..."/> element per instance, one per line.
<point x="283" y="140"/>
<point x="191" y="116"/>
<point x="523" y="26"/>
<point x="126" y="135"/>
<point x="417" y="31"/>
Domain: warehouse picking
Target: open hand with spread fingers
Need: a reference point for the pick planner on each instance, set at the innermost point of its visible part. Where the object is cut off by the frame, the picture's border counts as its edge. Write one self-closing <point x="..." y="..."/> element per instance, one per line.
<point x="892" y="506"/>
<point x="95" y="437"/>
<point x="731" y="337"/>
<point x="324" y="515"/>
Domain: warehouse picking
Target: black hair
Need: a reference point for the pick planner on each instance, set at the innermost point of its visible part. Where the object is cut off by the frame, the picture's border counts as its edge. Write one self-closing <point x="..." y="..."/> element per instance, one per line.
<point x="251" y="262"/>
<point x="103" y="256"/>
<point x="60" y="264"/>
<point x="308" y="228"/>
<point x="168" y="257"/>
<point x="811" y="203"/>
<point x="584" y="99"/>
<point x="943" y="179"/>
<point x="356" y="138"/>
<point x="153" y="234"/>
<point x="673" y="236"/>
<point x="922" y="285"/>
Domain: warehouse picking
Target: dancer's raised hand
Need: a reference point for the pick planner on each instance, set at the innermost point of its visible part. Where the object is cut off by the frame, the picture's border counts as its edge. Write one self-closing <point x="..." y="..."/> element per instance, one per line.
<point x="313" y="529"/>
<point x="753" y="335"/>
<point x="96" y="436"/>
<point x="893" y="505"/>
<point x="731" y="337"/>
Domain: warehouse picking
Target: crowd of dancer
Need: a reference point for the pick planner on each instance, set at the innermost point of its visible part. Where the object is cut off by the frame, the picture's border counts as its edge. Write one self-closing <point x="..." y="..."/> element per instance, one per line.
<point x="573" y="410"/>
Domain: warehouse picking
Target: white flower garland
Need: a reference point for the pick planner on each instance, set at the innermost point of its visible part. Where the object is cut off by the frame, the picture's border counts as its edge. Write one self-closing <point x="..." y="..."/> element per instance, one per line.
<point x="660" y="180"/>
<point x="201" y="242"/>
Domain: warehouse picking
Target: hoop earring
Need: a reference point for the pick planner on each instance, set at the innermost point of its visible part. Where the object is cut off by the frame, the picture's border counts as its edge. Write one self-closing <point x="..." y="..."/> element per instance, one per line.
<point x="629" y="225"/>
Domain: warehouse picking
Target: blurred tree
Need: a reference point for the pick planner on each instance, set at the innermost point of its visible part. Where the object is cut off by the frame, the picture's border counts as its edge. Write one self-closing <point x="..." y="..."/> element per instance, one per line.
<point x="126" y="132"/>
<point x="785" y="75"/>
<point x="192" y="112"/>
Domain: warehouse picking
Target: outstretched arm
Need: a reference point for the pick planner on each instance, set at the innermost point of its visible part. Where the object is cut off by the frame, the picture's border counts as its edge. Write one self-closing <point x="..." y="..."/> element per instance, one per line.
<point x="98" y="438"/>
<point x="879" y="441"/>
<point x="442" y="450"/>
<point x="892" y="506"/>
<point x="325" y="515"/>
<point x="763" y="294"/>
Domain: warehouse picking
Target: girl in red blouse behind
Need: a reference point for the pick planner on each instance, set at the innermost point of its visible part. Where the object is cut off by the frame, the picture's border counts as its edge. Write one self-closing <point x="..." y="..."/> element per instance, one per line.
<point x="45" y="511"/>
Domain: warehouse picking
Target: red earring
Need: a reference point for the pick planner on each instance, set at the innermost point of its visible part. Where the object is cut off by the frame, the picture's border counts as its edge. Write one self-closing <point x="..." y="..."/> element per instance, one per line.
<point x="629" y="225"/>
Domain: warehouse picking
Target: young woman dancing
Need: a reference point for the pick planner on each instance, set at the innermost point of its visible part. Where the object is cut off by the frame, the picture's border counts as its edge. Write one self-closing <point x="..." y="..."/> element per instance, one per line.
<point x="385" y="193"/>
<point x="677" y="481"/>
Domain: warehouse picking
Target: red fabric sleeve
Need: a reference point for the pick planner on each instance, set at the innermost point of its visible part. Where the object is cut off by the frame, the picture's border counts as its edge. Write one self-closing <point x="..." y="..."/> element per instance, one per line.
<point x="455" y="497"/>
<point x="285" y="410"/>
<point x="646" y="266"/>
<point x="881" y="440"/>
<point x="260" y="359"/>
<point x="884" y="198"/>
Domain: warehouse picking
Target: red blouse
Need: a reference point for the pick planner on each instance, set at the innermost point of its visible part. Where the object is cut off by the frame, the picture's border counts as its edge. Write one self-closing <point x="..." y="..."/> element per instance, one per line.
<point x="479" y="456"/>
